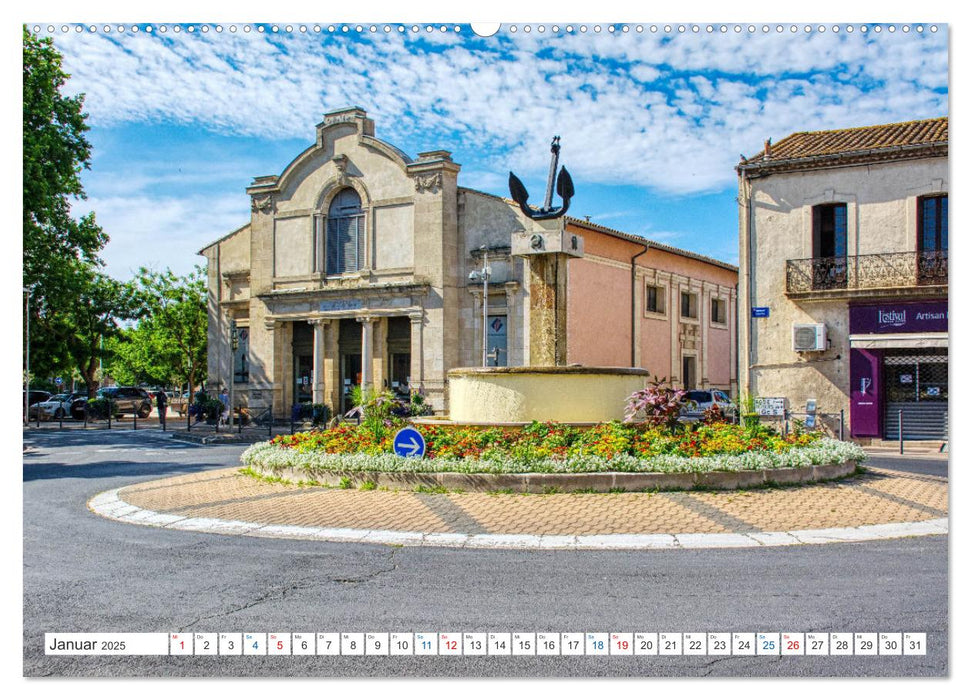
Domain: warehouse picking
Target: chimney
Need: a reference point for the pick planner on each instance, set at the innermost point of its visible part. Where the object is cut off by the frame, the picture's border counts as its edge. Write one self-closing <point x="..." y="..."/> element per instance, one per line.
<point x="767" y="153"/>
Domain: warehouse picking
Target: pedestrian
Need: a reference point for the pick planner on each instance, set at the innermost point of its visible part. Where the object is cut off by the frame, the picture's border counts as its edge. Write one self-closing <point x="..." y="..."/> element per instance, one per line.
<point x="162" y="405"/>
<point x="224" y="400"/>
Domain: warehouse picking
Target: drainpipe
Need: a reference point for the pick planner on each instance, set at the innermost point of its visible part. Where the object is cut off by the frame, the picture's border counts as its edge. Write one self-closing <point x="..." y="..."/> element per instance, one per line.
<point x="633" y="303"/>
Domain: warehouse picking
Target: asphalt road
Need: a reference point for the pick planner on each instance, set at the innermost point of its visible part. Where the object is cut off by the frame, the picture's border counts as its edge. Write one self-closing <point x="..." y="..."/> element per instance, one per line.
<point x="83" y="573"/>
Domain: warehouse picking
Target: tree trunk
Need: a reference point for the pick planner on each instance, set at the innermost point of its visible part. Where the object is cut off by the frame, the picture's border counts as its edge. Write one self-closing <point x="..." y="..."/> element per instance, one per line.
<point x="88" y="373"/>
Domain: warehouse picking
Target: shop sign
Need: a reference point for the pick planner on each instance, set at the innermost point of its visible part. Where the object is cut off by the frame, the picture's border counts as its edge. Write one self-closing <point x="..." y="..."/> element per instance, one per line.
<point x="900" y="317"/>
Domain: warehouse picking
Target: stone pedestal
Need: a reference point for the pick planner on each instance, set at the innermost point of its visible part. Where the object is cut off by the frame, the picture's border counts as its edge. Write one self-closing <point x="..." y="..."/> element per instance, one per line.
<point x="547" y="309"/>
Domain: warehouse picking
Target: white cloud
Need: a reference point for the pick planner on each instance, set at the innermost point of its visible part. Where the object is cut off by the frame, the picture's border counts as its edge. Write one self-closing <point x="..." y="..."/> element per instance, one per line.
<point x="145" y="230"/>
<point x="711" y="97"/>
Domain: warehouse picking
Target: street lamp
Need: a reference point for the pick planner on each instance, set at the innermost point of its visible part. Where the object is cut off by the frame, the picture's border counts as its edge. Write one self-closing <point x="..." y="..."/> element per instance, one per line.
<point x="484" y="274"/>
<point x="27" y="291"/>
<point x="234" y="345"/>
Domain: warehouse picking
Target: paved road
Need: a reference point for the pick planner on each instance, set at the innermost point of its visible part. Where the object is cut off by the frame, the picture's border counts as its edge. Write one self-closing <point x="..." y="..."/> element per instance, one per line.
<point x="83" y="573"/>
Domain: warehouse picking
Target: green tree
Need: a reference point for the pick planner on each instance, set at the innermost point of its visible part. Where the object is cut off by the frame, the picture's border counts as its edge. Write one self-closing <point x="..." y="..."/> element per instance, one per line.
<point x="93" y="320"/>
<point x="172" y="332"/>
<point x="56" y="247"/>
<point x="55" y="153"/>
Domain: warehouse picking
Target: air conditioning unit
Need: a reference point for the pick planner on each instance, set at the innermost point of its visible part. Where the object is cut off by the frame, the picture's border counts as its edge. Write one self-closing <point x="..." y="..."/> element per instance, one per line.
<point x="808" y="337"/>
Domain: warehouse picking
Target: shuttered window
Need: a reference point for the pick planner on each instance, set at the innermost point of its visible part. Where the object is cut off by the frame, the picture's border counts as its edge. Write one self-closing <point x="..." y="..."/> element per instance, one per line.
<point x="345" y="233"/>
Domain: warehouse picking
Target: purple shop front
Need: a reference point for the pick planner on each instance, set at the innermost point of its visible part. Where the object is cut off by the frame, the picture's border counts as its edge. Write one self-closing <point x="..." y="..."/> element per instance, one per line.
<point x="866" y="365"/>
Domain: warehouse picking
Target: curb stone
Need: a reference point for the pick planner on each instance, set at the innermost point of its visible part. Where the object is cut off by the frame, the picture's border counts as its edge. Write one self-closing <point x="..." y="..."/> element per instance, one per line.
<point x="109" y="505"/>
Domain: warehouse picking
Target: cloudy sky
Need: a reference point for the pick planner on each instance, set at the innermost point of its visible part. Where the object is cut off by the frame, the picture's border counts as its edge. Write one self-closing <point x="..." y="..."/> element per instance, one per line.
<point x="652" y="122"/>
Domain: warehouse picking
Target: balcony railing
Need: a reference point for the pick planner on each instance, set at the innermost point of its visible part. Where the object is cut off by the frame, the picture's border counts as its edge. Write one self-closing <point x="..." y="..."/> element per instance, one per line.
<point x="866" y="272"/>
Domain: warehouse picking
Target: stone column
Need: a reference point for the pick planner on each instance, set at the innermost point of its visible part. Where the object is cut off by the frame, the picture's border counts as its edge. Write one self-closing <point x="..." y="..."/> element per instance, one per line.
<point x="379" y="352"/>
<point x="417" y="359"/>
<point x="547" y="310"/>
<point x="332" y="370"/>
<point x="367" y="352"/>
<point x="319" y="326"/>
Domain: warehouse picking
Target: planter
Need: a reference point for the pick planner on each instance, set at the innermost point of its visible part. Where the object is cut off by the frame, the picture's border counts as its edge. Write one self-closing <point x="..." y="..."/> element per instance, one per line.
<point x="601" y="482"/>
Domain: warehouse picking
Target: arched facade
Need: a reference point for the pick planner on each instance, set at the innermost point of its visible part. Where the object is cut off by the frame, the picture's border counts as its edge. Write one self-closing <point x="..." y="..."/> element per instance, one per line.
<point x="354" y="270"/>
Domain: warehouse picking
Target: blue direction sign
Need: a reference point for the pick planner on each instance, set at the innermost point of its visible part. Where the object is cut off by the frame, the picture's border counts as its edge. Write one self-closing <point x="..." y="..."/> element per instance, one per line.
<point x="408" y="442"/>
<point x="58" y="381"/>
<point x="760" y="312"/>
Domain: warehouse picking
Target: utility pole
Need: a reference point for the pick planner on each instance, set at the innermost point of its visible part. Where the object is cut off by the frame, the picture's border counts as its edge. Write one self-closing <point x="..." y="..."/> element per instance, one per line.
<point x="484" y="275"/>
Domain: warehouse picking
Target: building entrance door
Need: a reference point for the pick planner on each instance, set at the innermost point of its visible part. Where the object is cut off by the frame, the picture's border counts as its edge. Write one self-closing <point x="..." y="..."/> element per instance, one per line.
<point x="303" y="369"/>
<point x="915" y="386"/>
<point x="688" y="372"/>
<point x="399" y="356"/>
<point x="350" y="378"/>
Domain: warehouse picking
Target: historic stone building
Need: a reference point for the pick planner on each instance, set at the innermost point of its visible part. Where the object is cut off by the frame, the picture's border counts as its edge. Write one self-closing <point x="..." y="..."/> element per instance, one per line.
<point x="844" y="275"/>
<point x="354" y="270"/>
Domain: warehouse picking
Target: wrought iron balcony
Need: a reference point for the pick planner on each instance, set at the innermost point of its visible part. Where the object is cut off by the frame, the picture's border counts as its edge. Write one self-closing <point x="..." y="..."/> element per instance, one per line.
<point x="857" y="275"/>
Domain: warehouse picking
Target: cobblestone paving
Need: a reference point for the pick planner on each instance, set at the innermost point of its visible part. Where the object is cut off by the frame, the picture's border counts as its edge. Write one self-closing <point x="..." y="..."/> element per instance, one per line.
<point x="879" y="496"/>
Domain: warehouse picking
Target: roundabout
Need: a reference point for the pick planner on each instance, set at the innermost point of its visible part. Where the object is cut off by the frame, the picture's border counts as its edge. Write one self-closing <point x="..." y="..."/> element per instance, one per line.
<point x="877" y="504"/>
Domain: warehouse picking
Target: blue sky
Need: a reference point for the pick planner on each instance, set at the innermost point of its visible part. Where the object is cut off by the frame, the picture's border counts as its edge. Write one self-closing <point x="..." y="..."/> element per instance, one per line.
<point x="652" y="123"/>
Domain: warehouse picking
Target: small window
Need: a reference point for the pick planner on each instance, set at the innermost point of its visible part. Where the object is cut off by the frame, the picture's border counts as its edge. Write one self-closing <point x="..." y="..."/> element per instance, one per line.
<point x="689" y="305"/>
<point x="719" y="311"/>
<point x="654" y="299"/>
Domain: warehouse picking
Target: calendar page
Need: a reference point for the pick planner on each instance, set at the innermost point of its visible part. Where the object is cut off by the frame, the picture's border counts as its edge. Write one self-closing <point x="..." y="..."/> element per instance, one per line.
<point x="443" y="349"/>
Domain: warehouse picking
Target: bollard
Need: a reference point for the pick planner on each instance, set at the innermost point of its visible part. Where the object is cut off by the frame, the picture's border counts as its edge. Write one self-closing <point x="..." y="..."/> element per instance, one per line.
<point x="60" y="421"/>
<point x="239" y="422"/>
<point x="269" y="425"/>
<point x="900" y="429"/>
<point x="85" y="417"/>
<point x="134" y="420"/>
<point x="188" y="420"/>
<point x="109" y="416"/>
<point x="841" y="424"/>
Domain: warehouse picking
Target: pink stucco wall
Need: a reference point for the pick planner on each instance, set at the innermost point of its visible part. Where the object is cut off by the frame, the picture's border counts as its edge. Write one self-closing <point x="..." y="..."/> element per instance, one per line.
<point x="599" y="310"/>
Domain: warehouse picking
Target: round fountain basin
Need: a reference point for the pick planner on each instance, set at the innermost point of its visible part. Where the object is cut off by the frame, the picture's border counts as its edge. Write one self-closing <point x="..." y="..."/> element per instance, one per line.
<point x="571" y="394"/>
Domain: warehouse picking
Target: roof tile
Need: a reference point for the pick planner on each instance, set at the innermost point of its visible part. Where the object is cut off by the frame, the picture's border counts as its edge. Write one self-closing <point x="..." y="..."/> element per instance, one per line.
<point x="806" y="144"/>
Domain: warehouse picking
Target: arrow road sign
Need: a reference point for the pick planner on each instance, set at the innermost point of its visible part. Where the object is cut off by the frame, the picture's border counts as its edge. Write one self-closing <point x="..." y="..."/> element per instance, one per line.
<point x="408" y="442"/>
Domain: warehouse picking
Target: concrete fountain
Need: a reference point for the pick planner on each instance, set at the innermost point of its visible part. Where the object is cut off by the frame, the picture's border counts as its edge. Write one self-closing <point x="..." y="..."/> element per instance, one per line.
<point x="546" y="389"/>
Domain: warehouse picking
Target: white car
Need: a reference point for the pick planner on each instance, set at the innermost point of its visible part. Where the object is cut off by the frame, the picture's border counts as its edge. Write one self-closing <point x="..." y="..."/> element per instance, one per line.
<point x="700" y="400"/>
<point x="57" y="406"/>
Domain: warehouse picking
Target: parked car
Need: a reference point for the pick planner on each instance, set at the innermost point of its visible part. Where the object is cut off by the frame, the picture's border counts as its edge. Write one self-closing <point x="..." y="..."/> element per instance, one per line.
<point x="700" y="400"/>
<point x="58" y="406"/>
<point x="36" y="396"/>
<point x="128" y="399"/>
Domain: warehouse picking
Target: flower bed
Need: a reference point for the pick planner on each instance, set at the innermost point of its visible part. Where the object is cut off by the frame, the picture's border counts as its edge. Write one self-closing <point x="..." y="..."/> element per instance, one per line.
<point x="545" y="448"/>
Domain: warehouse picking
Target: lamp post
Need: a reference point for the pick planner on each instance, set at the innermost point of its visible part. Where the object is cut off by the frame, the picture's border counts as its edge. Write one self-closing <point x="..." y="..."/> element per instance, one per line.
<point x="234" y="345"/>
<point x="27" y="349"/>
<point x="484" y="275"/>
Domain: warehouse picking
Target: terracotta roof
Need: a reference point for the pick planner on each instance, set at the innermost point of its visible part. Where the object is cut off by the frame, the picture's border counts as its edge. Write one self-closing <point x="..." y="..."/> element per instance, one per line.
<point x="634" y="238"/>
<point x="865" y="140"/>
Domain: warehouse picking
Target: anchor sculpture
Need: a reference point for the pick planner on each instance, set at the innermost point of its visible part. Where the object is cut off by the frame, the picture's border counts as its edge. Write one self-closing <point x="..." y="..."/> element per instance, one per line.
<point x="564" y="188"/>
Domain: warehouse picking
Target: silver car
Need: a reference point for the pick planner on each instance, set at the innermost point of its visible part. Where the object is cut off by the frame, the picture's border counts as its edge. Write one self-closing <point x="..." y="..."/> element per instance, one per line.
<point x="700" y="400"/>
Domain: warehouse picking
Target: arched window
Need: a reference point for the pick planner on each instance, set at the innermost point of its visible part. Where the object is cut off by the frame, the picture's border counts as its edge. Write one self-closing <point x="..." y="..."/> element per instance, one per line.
<point x="345" y="233"/>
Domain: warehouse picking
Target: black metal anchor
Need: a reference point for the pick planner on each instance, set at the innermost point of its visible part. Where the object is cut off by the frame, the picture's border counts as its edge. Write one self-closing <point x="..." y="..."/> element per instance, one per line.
<point x="564" y="188"/>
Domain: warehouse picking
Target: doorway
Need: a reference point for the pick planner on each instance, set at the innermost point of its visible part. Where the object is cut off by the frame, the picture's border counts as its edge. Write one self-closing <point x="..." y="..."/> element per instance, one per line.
<point x="349" y="344"/>
<point x="688" y="372"/>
